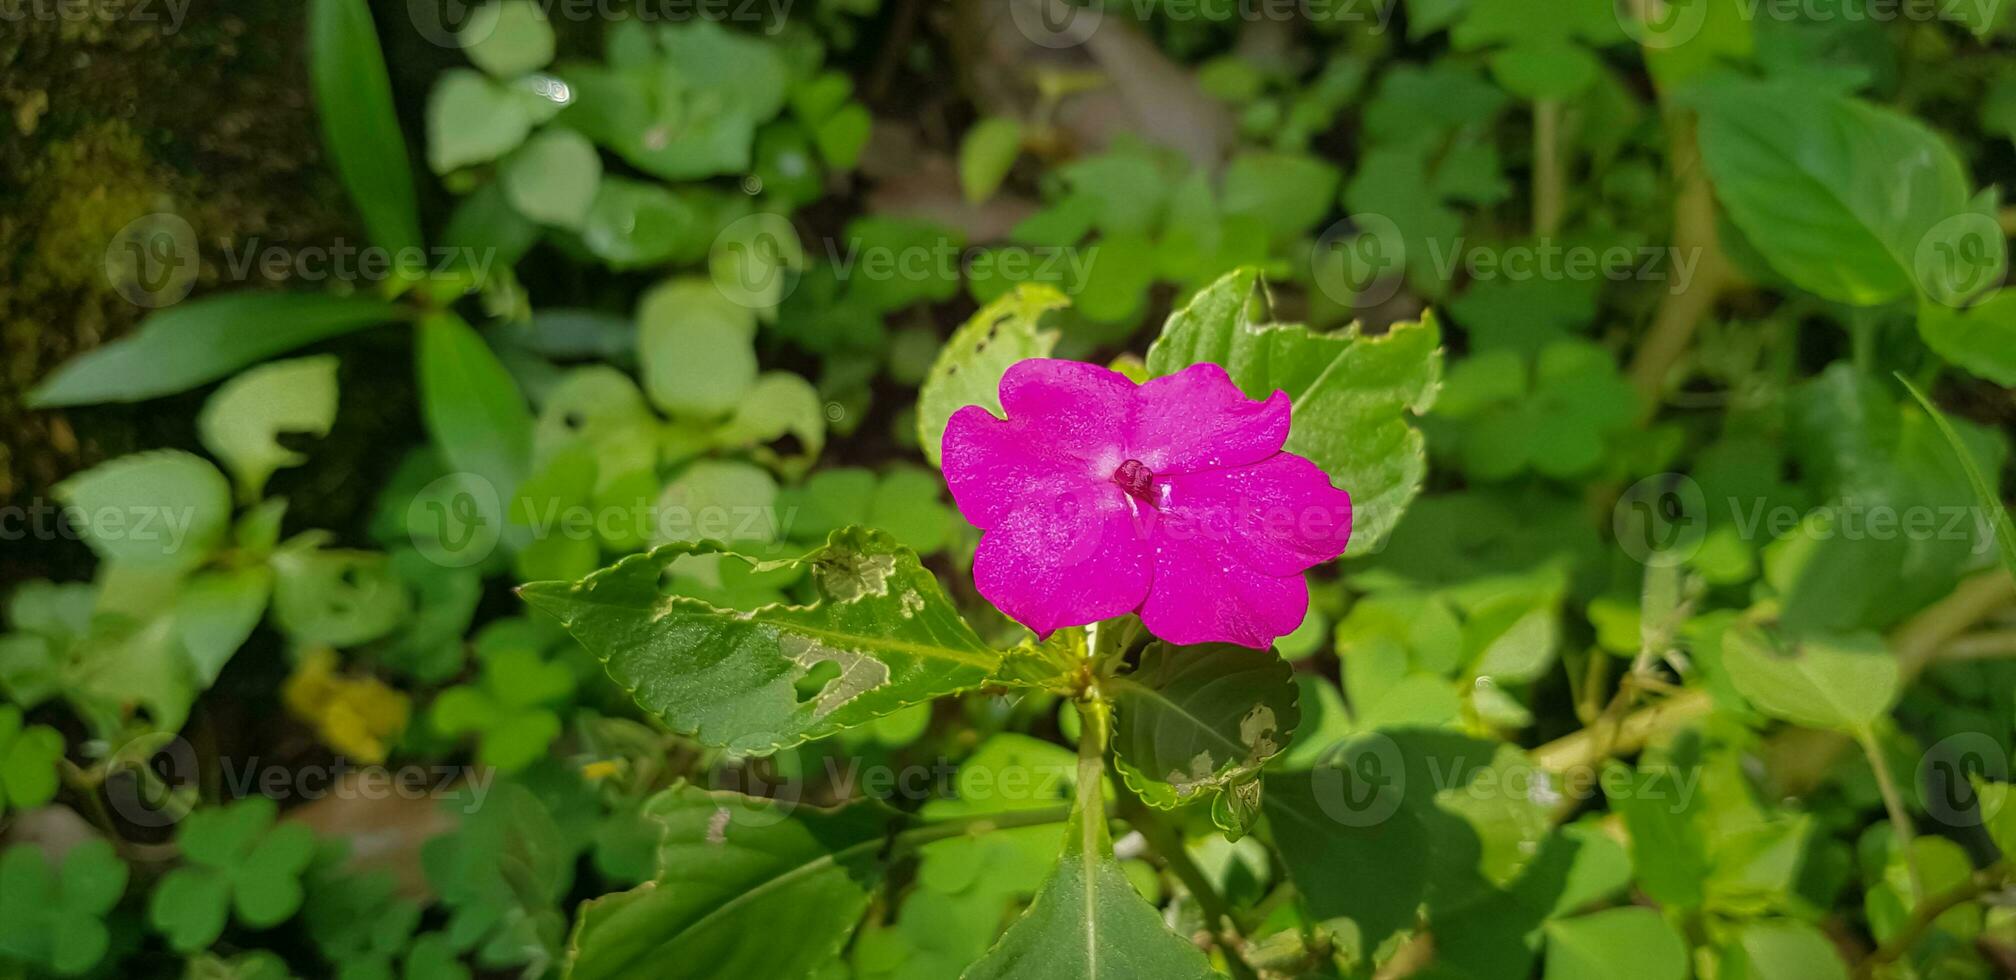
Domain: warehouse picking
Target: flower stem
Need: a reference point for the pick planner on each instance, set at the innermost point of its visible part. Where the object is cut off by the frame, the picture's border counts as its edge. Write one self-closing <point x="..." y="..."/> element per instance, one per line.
<point x="1893" y="801"/>
<point x="1168" y="844"/>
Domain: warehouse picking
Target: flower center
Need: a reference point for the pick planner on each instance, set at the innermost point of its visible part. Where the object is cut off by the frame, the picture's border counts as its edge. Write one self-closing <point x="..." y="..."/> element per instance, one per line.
<point x="1137" y="480"/>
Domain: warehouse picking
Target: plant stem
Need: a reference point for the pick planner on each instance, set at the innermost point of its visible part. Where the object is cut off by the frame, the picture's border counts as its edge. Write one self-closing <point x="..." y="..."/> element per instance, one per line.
<point x="980" y="823"/>
<point x="1925" y="914"/>
<point x="1224" y="927"/>
<point x="1547" y="177"/>
<point x="1893" y="801"/>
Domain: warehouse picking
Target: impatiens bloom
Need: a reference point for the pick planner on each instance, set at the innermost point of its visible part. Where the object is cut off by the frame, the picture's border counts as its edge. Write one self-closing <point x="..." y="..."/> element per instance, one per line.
<point x="1172" y="499"/>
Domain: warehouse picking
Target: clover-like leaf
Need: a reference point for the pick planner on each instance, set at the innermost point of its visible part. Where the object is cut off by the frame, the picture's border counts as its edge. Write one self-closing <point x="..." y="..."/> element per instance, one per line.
<point x="28" y="757"/>
<point x="1353" y="393"/>
<point x="235" y="859"/>
<point x="1193" y="720"/>
<point x="511" y="710"/>
<point x="732" y="678"/>
<point x="55" y="919"/>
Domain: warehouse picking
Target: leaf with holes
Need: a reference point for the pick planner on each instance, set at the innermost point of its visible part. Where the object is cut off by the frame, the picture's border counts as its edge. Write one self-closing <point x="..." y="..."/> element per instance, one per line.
<point x="1353" y="392"/>
<point x="739" y="678"/>
<point x="969" y="368"/>
<point x="746" y="887"/>
<point x="1197" y="719"/>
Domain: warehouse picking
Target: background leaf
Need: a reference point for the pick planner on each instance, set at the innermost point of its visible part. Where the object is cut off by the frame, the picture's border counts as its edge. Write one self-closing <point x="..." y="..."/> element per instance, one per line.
<point x="360" y="128"/>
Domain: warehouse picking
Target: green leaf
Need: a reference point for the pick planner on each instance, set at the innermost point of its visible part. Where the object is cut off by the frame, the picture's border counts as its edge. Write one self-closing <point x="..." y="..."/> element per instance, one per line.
<point x="553" y="178"/>
<point x="730" y="678"/>
<point x="336" y="597"/>
<point x="969" y="368"/>
<point x="200" y="341"/>
<point x="1839" y="682"/>
<point x="1786" y="949"/>
<point x="1352" y="393"/>
<point x="1631" y="941"/>
<point x="165" y="509"/>
<point x="1088" y="922"/>
<point x="1980" y="339"/>
<point x="1854" y="202"/>
<point x="234" y="856"/>
<point x="216" y="612"/>
<point x="472" y="119"/>
<point x="1194" y="720"/>
<point x="696" y="348"/>
<point x="56" y="919"/>
<point x="1286" y="192"/>
<point x="1667" y="848"/>
<point x="746" y="887"/>
<point x="1986" y="496"/>
<point x="508" y="38"/>
<point x="360" y="128"/>
<point x="28" y="758"/>
<point x="986" y="154"/>
<point x="475" y="414"/>
<point x="242" y="421"/>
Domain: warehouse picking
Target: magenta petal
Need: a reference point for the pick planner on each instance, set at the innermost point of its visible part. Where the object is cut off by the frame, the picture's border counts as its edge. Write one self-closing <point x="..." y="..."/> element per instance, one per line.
<point x="1202" y="593"/>
<point x="1197" y="419"/>
<point x="1078" y="410"/>
<point x="993" y="466"/>
<point x="1065" y="561"/>
<point x="1279" y="516"/>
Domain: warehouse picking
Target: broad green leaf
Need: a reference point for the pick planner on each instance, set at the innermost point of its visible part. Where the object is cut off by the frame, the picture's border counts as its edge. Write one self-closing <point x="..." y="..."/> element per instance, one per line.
<point x="1287" y="192"/>
<point x="552" y="179"/>
<point x="1087" y="922"/>
<point x="696" y="348"/>
<point x="778" y="404"/>
<point x="1193" y="720"/>
<point x="1631" y="941"/>
<point x="1998" y="815"/>
<point x="986" y="153"/>
<point x="724" y="501"/>
<point x="1986" y="496"/>
<point x="216" y="612"/>
<point x="969" y="368"/>
<point x="242" y="422"/>
<point x="28" y="758"/>
<point x="1981" y="339"/>
<point x="360" y="128"/>
<point x="729" y="678"/>
<point x="334" y="596"/>
<point x="508" y="38"/>
<point x="1838" y="682"/>
<point x="203" y="340"/>
<point x="1784" y="949"/>
<point x="1854" y="202"/>
<point x="1667" y="848"/>
<point x="472" y="119"/>
<point x="165" y="509"/>
<point x="747" y="887"/>
<point x="1340" y="827"/>
<point x="1353" y="393"/>
<point x="475" y="414"/>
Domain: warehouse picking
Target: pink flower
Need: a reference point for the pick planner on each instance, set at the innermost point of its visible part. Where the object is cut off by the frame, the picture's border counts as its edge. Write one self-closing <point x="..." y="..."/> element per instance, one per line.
<point x="1173" y="498"/>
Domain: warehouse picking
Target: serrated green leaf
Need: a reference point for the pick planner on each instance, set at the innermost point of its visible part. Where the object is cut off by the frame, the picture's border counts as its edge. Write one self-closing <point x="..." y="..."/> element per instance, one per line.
<point x="969" y="368"/>
<point x="1353" y="394"/>
<point x="1194" y="720"/>
<point x="202" y="340"/>
<point x="729" y="678"/>
<point x="242" y="421"/>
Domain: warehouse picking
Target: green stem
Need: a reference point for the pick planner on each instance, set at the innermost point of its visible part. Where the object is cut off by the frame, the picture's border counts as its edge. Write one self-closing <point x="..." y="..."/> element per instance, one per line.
<point x="1893" y="801"/>
<point x="1925" y="914"/>
<point x="1547" y="175"/>
<point x="980" y="823"/>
